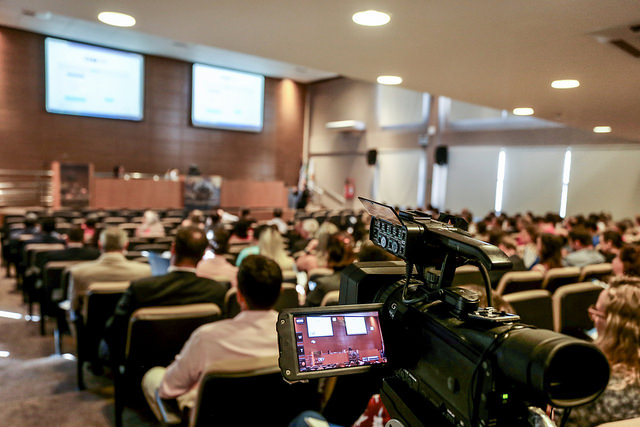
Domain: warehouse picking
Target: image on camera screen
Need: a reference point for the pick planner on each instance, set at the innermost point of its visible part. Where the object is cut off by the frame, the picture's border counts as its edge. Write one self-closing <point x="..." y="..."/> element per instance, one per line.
<point x="339" y="340"/>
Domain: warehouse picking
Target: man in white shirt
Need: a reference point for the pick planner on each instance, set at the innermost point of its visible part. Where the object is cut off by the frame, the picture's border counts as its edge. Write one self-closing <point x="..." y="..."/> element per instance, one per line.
<point x="250" y="334"/>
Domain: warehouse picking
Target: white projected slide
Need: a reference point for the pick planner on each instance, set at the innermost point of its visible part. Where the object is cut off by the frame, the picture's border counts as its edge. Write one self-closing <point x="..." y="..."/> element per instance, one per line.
<point x="226" y="99"/>
<point x="355" y="325"/>
<point x="319" y="327"/>
<point x="93" y="81"/>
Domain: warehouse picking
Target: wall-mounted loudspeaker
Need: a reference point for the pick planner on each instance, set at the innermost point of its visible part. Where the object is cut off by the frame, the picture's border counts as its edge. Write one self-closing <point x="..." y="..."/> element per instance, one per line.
<point x="372" y="157"/>
<point x="442" y="155"/>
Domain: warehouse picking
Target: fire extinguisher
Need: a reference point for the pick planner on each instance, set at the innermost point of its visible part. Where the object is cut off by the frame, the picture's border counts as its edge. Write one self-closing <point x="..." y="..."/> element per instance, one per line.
<point x="349" y="189"/>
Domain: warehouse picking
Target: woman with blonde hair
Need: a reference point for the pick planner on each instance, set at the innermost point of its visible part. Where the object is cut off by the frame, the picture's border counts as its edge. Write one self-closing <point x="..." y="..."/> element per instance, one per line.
<point x="271" y="245"/>
<point x="616" y="316"/>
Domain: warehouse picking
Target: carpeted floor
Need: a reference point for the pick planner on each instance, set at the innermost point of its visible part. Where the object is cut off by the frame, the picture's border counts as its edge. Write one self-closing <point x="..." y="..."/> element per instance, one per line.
<point x="38" y="387"/>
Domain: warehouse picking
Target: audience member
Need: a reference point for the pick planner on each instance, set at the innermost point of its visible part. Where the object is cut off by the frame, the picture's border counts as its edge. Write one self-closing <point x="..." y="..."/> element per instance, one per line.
<point x="76" y="250"/>
<point x="194" y="219"/>
<point x="300" y="237"/>
<point x="90" y="230"/>
<point x="178" y="287"/>
<point x="316" y="251"/>
<point x="507" y="245"/>
<point x="340" y="254"/>
<point x="627" y="262"/>
<point x="242" y="228"/>
<point x="277" y="221"/>
<point x="583" y="253"/>
<point x="252" y="333"/>
<point x="616" y="316"/>
<point x="254" y="248"/>
<point x="550" y="253"/>
<point x="527" y="238"/>
<point x="610" y="244"/>
<point x="218" y="268"/>
<point x="271" y="245"/>
<point x="151" y="226"/>
<point x="110" y="266"/>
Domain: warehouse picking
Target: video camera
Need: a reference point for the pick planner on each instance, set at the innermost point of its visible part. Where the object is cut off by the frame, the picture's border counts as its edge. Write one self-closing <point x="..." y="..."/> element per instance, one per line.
<point x="451" y="361"/>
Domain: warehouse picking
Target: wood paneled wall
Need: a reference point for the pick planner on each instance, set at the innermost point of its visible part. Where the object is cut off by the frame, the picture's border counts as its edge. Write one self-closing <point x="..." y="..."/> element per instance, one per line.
<point x="31" y="138"/>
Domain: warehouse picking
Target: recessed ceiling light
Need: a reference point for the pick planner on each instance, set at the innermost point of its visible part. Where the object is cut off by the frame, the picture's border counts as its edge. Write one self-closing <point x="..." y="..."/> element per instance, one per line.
<point x="602" y="129"/>
<point x="564" y="84"/>
<point x="371" y="18"/>
<point x="523" y="111"/>
<point x="117" y="19"/>
<point x="389" y="80"/>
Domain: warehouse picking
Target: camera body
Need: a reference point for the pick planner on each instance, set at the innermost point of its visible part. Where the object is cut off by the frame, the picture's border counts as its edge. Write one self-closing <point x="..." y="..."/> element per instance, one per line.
<point x="456" y="363"/>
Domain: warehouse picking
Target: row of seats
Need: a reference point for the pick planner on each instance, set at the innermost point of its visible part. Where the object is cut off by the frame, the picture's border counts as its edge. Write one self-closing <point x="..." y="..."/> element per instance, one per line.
<point x="565" y="311"/>
<point x="155" y="335"/>
<point x="515" y="281"/>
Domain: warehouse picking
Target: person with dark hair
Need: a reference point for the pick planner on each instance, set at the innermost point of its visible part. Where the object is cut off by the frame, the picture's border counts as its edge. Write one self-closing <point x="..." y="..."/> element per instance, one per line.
<point x="76" y="250"/>
<point x="218" y="268"/>
<point x="610" y="244"/>
<point x="627" y="262"/>
<point x="242" y="227"/>
<point x="339" y="255"/>
<point x="278" y="222"/>
<point x="507" y="245"/>
<point x="178" y="287"/>
<point x="250" y="334"/>
<point x="583" y="253"/>
<point x="549" y="252"/>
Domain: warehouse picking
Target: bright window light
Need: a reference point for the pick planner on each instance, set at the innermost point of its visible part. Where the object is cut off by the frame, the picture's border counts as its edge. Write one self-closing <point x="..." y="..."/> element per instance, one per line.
<point x="565" y="84"/>
<point x="523" y="111"/>
<point x="602" y="129"/>
<point x="4" y="354"/>
<point x="389" y="80"/>
<point x="500" y="181"/>
<point x="10" y="315"/>
<point x="566" y="175"/>
<point x="117" y="19"/>
<point x="371" y="18"/>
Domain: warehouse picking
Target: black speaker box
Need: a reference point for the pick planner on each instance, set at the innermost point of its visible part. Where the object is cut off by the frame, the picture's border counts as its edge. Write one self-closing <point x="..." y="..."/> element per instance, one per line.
<point x="372" y="157"/>
<point x="442" y="155"/>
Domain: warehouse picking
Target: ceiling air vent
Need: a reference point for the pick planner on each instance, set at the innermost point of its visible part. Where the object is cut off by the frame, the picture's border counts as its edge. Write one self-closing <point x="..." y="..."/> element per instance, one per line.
<point x="625" y="38"/>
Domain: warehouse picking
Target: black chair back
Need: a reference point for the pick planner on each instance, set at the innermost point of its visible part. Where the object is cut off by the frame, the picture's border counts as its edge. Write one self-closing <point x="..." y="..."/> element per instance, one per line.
<point x="250" y="398"/>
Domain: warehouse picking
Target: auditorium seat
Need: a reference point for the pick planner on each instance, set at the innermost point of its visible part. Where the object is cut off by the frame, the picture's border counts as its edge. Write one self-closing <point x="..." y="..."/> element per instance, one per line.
<point x="288" y="297"/>
<point x="595" y="272"/>
<point x="246" y="392"/>
<point x="557" y="277"/>
<point x="100" y="303"/>
<point x="114" y="220"/>
<point x="533" y="306"/>
<point x="330" y="298"/>
<point x="570" y="304"/>
<point x="290" y="276"/>
<point x="51" y="293"/>
<point x="155" y="336"/>
<point x="516" y="281"/>
<point x="467" y="274"/>
<point x="314" y="274"/>
<point x="632" y="422"/>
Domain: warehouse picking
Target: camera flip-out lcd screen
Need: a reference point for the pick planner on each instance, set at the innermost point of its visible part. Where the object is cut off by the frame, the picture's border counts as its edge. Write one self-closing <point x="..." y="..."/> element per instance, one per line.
<point x="338" y="340"/>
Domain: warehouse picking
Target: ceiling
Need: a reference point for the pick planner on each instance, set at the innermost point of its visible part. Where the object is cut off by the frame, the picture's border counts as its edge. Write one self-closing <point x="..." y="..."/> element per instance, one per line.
<point x="497" y="53"/>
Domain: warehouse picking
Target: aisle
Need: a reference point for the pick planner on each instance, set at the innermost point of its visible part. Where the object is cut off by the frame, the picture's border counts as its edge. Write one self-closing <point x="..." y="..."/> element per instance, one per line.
<point x="38" y="387"/>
